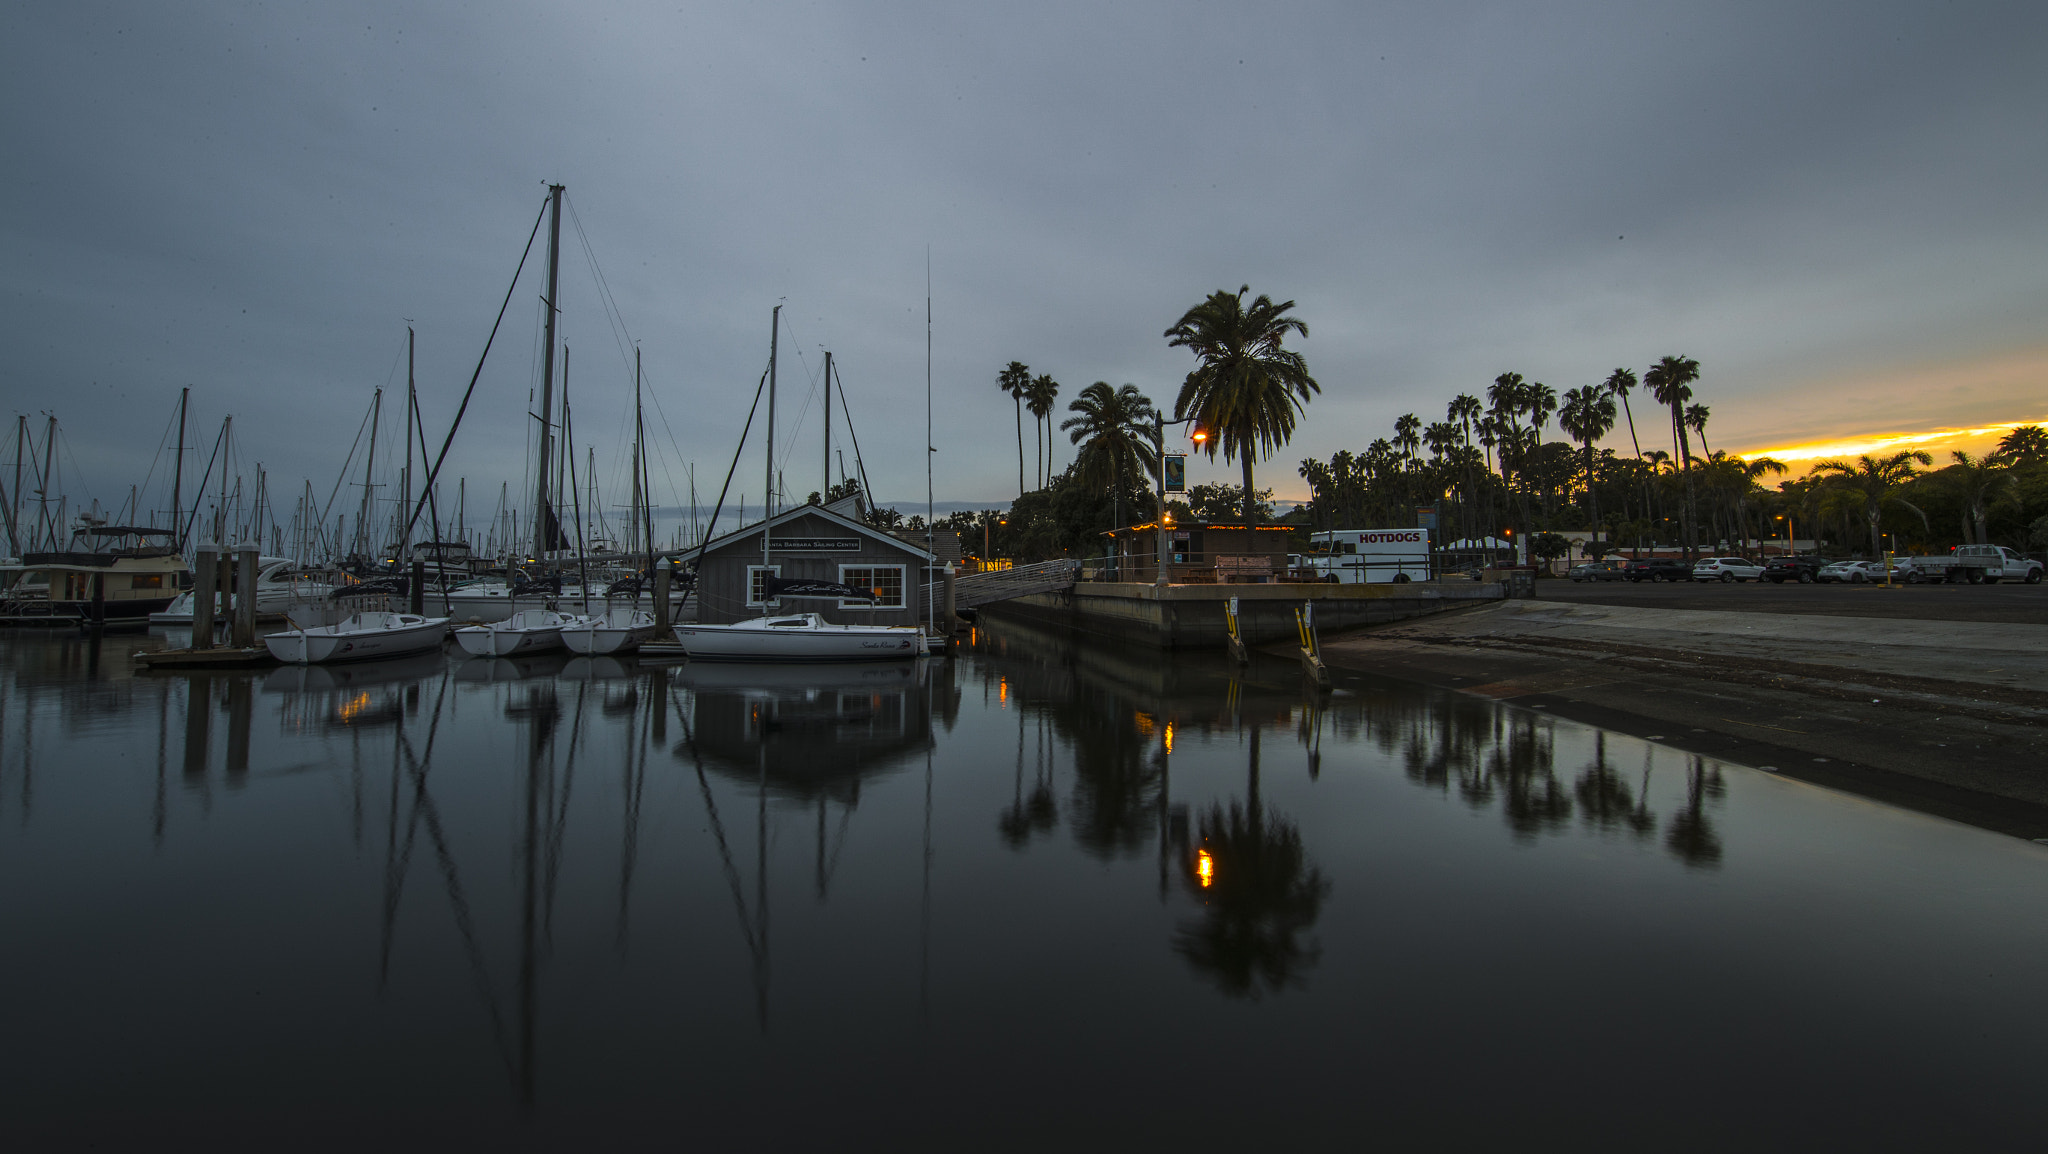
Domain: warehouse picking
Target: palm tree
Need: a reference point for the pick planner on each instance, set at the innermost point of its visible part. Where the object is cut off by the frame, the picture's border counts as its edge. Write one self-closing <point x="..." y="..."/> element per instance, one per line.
<point x="1115" y="438"/>
<point x="1980" y="482"/>
<point x="1247" y="388"/>
<point x="1040" y="397"/>
<point x="1696" y="420"/>
<point x="1620" y="383"/>
<point x="1587" y="415"/>
<point x="2025" y="445"/>
<point x="1670" y="381"/>
<point x="1870" y="484"/>
<point x="1407" y="434"/>
<point x="1016" y="381"/>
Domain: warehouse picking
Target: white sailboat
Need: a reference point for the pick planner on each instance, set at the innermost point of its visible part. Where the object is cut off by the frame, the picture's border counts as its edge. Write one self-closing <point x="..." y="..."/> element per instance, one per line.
<point x="800" y="637"/>
<point x="618" y="629"/>
<point x="359" y="637"/>
<point x="527" y="631"/>
<point x="279" y="582"/>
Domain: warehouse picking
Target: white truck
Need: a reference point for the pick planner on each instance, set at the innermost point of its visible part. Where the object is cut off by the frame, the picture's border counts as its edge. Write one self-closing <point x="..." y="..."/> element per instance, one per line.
<point x="1972" y="563"/>
<point x="1362" y="556"/>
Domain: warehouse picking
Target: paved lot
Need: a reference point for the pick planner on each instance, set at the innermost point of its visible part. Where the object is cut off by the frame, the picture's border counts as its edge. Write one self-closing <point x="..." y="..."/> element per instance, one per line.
<point x="2016" y="604"/>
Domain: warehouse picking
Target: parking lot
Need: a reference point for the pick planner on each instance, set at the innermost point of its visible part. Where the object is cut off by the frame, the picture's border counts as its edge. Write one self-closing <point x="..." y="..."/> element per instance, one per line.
<point x="2017" y="604"/>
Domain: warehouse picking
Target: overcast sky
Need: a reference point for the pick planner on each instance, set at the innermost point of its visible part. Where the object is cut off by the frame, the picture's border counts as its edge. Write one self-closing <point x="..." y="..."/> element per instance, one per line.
<point x="1835" y="208"/>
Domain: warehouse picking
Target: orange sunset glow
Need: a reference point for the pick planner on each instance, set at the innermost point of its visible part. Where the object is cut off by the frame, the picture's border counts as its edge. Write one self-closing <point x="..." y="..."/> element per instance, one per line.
<point x="1936" y="441"/>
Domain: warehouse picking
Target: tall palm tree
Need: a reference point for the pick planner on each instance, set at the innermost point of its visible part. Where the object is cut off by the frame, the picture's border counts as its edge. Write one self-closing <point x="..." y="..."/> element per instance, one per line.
<point x="1620" y="383"/>
<point x="1247" y="388"/>
<point x="1587" y="415"/>
<point x="1408" y="434"/>
<point x="1870" y="484"/>
<point x="1113" y="429"/>
<point x="1542" y="402"/>
<point x="1696" y="420"/>
<point x="1980" y="482"/>
<point x="1465" y="409"/>
<point x="1015" y="380"/>
<point x="1670" y="381"/>
<point x="1040" y="397"/>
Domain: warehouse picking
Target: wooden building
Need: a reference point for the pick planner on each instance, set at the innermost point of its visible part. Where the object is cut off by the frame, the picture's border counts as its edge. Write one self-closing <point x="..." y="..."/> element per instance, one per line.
<point x="1201" y="553"/>
<point x="817" y="543"/>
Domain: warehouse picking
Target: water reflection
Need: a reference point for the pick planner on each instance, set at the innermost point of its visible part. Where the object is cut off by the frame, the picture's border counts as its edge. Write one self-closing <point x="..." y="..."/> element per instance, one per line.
<point x="505" y="807"/>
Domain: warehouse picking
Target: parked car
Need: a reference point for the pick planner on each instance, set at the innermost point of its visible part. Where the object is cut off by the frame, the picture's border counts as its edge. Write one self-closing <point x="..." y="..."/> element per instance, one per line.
<point x="1598" y="571"/>
<point x="1727" y="569"/>
<point x="1779" y="570"/>
<point x="1658" y="571"/>
<point x="1851" y="572"/>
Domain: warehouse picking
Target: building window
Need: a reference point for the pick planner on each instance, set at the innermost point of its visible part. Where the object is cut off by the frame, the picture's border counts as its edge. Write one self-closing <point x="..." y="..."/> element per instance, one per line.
<point x="885" y="581"/>
<point x="754" y="575"/>
<point x="146" y="581"/>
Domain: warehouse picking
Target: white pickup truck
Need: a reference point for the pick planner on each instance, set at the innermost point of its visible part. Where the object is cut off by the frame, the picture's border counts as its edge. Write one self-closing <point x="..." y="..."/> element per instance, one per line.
<point x="1971" y="563"/>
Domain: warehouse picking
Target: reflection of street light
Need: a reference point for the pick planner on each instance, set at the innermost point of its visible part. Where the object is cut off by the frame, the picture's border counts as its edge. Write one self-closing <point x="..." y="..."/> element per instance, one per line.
<point x="1205" y="868"/>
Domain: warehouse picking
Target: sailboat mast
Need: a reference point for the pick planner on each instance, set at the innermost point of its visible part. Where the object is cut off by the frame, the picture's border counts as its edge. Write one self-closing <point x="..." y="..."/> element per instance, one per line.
<point x="220" y="510"/>
<point x="825" y="474"/>
<point x="547" y="374"/>
<point x="768" y="502"/>
<point x="20" y="438"/>
<point x="405" y="484"/>
<point x="177" y="475"/>
<point x="641" y="480"/>
<point x="369" y="474"/>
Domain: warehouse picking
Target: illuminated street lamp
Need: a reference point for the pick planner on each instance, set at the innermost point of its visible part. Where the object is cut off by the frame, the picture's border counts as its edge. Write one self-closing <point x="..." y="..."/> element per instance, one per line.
<point x="1159" y="423"/>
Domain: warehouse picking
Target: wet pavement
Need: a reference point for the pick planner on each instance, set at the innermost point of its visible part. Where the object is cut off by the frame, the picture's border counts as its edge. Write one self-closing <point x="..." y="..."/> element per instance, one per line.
<point x="1045" y="894"/>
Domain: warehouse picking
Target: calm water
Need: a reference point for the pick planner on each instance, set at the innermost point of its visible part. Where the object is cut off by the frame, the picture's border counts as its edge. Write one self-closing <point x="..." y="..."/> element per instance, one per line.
<point x="1041" y="896"/>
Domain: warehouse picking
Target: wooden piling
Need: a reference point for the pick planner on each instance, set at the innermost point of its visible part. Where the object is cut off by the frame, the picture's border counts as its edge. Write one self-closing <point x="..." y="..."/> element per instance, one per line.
<point x="205" y="571"/>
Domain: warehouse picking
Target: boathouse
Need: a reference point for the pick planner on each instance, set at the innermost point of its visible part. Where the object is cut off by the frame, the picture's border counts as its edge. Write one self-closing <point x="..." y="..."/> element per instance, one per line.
<point x="1201" y="553"/>
<point x="817" y="543"/>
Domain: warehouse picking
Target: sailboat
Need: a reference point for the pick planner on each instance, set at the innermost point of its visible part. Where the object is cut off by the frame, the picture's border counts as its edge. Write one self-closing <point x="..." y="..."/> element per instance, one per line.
<point x="622" y="626"/>
<point x="358" y="637"/>
<point x="527" y="631"/>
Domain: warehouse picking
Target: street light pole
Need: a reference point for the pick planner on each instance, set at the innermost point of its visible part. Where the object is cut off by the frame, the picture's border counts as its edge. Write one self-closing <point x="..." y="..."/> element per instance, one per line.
<point x="1159" y="462"/>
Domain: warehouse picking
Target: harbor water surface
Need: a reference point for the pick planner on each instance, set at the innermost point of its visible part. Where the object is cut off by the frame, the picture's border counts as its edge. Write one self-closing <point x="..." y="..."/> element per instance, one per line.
<point x="1038" y="895"/>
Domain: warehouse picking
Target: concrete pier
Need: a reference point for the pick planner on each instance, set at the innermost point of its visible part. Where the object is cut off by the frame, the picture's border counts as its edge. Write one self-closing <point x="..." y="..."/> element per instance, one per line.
<point x="1192" y="617"/>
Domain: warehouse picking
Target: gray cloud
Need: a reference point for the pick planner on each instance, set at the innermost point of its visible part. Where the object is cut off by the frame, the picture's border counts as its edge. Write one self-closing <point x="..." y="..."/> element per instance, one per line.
<point x="250" y="199"/>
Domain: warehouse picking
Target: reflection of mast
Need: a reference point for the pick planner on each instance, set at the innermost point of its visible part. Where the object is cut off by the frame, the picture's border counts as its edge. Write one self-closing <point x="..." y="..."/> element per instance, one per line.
<point x="756" y="936"/>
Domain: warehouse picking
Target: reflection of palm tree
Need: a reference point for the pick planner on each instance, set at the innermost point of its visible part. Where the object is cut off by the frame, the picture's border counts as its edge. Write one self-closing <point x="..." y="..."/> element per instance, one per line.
<point x="1605" y="800"/>
<point x="1692" y="837"/>
<point x="1022" y="818"/>
<point x="1259" y="893"/>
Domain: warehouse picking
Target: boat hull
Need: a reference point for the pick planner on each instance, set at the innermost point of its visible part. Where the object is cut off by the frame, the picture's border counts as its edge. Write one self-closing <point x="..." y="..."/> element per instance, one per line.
<point x="528" y="631"/>
<point x="822" y="643"/>
<point x="363" y="637"/>
<point x="609" y="633"/>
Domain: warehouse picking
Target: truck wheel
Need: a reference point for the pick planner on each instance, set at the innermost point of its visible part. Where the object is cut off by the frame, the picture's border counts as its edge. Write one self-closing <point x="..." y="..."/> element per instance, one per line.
<point x="1915" y="577"/>
<point x="1727" y="577"/>
<point x="1400" y="579"/>
<point x="2034" y="577"/>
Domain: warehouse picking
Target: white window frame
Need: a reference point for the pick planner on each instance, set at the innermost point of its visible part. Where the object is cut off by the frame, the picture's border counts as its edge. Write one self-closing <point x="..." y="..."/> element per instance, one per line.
<point x="773" y="570"/>
<point x="902" y="584"/>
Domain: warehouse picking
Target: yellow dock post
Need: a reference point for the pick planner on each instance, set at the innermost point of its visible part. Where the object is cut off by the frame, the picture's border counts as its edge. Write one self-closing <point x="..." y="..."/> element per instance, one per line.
<point x="1311" y="651"/>
<point x="1233" y="635"/>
